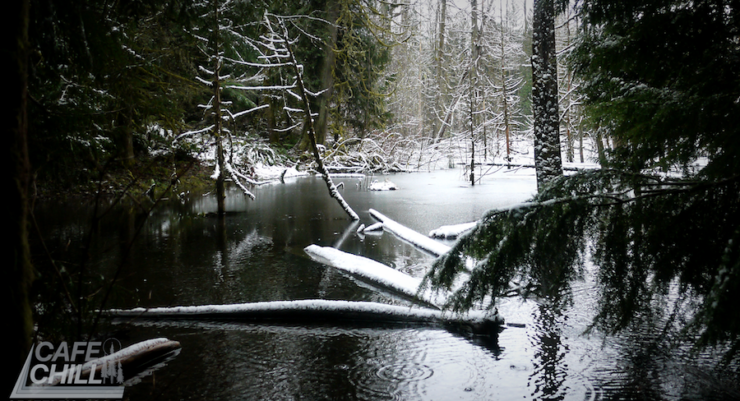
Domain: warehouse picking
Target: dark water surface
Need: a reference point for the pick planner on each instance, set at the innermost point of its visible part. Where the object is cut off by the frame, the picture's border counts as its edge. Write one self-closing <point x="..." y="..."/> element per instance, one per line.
<point x="185" y="257"/>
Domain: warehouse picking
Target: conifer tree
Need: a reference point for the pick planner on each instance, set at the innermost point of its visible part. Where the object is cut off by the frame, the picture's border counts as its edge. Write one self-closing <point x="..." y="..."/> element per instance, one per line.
<point x="660" y="225"/>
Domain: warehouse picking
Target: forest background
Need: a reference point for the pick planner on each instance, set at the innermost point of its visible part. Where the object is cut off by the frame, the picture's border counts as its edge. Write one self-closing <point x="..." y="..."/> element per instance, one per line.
<point x="131" y="96"/>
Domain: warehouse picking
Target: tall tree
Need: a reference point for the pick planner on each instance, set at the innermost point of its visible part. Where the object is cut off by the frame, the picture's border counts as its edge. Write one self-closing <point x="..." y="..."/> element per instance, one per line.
<point x="548" y="162"/>
<point x="227" y="68"/>
<point x="440" y="75"/>
<point x="19" y="271"/>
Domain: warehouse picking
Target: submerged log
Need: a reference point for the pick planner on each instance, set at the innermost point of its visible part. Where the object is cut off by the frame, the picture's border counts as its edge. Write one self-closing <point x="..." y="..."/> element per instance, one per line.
<point x="321" y="311"/>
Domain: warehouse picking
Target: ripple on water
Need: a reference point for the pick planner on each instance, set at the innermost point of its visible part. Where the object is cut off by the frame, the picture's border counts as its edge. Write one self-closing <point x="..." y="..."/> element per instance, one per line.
<point x="418" y="364"/>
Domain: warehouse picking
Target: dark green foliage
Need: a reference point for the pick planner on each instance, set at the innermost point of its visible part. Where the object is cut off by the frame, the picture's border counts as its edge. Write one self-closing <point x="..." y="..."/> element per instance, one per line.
<point x="663" y="78"/>
<point x="360" y="63"/>
<point x="100" y="72"/>
<point x="647" y="235"/>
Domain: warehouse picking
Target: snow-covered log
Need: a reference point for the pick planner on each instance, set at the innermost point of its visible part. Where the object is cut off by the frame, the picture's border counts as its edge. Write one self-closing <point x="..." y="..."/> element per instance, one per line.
<point x="382" y="186"/>
<point x="419" y="240"/>
<point x="373" y="227"/>
<point x="452" y="231"/>
<point x="322" y="311"/>
<point x="374" y="272"/>
<point x="130" y="358"/>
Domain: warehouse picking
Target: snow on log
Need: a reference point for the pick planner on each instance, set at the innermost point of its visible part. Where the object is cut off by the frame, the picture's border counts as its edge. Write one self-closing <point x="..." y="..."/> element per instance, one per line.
<point x="452" y="231"/>
<point x="374" y="227"/>
<point x="347" y="175"/>
<point x="318" y="310"/>
<point x="374" y="272"/>
<point x="413" y="237"/>
<point x="136" y="355"/>
<point x="382" y="186"/>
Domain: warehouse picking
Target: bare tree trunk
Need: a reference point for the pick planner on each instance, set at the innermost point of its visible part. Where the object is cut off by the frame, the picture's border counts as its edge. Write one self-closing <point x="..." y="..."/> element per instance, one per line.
<point x="547" y="158"/>
<point x="439" y="99"/>
<point x="474" y="53"/>
<point x="570" y="152"/>
<point x="503" y="85"/>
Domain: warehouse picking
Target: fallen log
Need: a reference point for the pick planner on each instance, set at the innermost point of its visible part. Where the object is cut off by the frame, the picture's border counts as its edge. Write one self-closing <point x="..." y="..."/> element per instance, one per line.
<point x="321" y="311"/>
<point x="419" y="240"/>
<point x="375" y="273"/>
<point x="133" y="358"/>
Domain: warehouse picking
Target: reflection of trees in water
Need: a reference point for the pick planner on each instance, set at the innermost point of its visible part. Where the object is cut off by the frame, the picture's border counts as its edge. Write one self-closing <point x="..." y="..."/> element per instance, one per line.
<point x="550" y="370"/>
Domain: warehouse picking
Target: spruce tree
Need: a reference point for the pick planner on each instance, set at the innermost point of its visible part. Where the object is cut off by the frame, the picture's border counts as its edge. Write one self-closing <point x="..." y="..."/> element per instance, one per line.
<point x="660" y="224"/>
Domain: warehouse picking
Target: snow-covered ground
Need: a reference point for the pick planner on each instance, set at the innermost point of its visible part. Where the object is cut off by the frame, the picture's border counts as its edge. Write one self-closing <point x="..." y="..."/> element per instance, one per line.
<point x="266" y="172"/>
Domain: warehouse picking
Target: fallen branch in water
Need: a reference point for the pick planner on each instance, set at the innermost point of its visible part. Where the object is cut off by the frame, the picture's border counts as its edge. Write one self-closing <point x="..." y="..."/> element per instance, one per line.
<point x="376" y="273"/>
<point x="321" y="311"/>
<point x="419" y="240"/>
<point x="133" y="358"/>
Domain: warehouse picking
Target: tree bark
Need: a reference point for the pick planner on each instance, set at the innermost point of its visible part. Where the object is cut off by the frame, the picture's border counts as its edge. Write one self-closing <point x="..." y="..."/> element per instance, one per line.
<point x="503" y="85"/>
<point x="547" y="158"/>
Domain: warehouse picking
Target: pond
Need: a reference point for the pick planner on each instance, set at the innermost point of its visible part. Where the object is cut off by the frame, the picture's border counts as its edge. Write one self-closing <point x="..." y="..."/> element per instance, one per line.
<point x="184" y="256"/>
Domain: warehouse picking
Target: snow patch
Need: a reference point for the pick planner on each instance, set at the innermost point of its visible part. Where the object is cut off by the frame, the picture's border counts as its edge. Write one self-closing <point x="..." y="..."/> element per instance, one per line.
<point x="382" y="186"/>
<point x="452" y="231"/>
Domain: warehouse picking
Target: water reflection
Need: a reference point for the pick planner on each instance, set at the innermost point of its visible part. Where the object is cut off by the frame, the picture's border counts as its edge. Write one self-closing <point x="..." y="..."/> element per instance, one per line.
<point x="337" y="363"/>
<point x="548" y="378"/>
<point x="185" y="257"/>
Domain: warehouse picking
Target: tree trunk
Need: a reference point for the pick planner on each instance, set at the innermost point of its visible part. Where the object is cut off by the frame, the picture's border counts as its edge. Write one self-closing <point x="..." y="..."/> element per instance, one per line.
<point x="439" y="98"/>
<point x="503" y="85"/>
<point x="19" y="271"/>
<point x="547" y="158"/>
<point x="218" y="122"/>
<point x="327" y="76"/>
